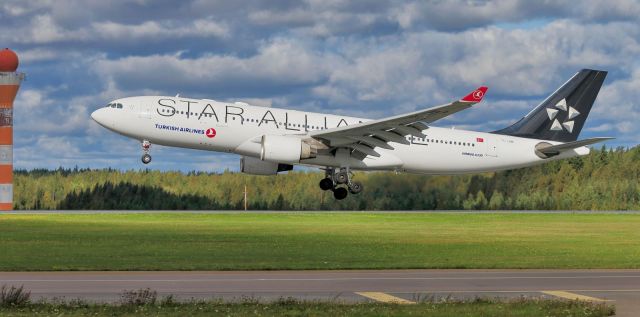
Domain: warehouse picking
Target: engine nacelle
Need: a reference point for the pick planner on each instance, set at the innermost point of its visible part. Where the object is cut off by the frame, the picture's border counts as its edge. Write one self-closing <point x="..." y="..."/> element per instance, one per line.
<point x="540" y="146"/>
<point x="251" y="165"/>
<point x="285" y="149"/>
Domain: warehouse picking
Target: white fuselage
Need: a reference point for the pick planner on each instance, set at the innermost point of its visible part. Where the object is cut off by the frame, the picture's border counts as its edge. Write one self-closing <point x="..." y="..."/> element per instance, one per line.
<point x="189" y="123"/>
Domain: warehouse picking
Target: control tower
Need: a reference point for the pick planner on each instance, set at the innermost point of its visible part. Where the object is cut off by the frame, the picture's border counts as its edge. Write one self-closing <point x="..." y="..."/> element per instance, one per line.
<point x="9" y="84"/>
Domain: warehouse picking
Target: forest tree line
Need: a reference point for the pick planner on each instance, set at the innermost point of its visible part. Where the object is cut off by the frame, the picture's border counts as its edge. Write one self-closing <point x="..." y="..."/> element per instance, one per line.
<point x="607" y="179"/>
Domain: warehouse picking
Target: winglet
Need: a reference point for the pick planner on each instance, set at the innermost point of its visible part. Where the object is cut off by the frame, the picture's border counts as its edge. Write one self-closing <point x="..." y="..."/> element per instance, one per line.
<point x="476" y="96"/>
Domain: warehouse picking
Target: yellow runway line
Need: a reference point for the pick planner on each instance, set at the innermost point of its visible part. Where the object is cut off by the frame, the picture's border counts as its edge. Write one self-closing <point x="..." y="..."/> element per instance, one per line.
<point x="385" y="298"/>
<point x="569" y="295"/>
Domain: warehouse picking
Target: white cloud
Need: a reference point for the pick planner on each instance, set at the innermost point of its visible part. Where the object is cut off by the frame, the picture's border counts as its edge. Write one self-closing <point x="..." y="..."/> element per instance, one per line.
<point x="617" y="109"/>
<point x="57" y="146"/>
<point x="37" y="55"/>
<point x="362" y="58"/>
<point x="18" y="8"/>
<point x="29" y="100"/>
<point x="43" y="29"/>
<point x="278" y="63"/>
<point x="403" y="72"/>
<point x="600" y="128"/>
<point x="155" y="30"/>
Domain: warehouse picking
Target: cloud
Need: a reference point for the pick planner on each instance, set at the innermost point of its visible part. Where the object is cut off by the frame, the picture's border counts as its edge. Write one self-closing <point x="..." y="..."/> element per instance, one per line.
<point x="44" y="30"/>
<point x="37" y="55"/>
<point x="363" y="58"/>
<point x="29" y="100"/>
<point x="279" y="65"/>
<point x="155" y="30"/>
<point x="600" y="128"/>
<point x="617" y="109"/>
<point x="460" y="15"/>
<point x="400" y="69"/>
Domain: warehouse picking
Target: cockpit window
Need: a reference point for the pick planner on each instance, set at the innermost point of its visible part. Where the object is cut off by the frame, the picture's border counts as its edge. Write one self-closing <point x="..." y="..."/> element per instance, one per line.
<point x="115" y="105"/>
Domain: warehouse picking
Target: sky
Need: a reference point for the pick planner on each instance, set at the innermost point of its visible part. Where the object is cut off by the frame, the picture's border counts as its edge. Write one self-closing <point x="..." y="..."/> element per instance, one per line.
<point x="368" y="59"/>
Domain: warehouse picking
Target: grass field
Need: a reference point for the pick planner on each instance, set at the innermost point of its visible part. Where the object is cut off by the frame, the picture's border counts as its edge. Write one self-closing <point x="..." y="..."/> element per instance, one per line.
<point x="317" y="241"/>
<point x="522" y="308"/>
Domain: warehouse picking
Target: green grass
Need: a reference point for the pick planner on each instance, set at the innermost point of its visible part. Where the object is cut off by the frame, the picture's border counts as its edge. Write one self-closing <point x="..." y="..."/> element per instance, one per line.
<point x="317" y="241"/>
<point x="521" y="308"/>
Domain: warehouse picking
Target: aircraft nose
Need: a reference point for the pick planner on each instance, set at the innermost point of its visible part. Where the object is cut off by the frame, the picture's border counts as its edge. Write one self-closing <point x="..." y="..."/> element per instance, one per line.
<point x="99" y="116"/>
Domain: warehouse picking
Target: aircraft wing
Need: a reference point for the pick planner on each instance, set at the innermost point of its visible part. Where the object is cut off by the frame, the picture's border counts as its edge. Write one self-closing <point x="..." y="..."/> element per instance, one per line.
<point x="364" y="137"/>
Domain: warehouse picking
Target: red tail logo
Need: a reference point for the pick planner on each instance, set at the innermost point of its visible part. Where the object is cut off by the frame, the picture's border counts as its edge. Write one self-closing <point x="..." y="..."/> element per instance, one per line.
<point x="210" y="133"/>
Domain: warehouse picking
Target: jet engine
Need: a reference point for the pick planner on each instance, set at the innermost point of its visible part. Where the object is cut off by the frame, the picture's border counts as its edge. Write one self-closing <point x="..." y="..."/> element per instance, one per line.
<point x="252" y="165"/>
<point x="285" y="149"/>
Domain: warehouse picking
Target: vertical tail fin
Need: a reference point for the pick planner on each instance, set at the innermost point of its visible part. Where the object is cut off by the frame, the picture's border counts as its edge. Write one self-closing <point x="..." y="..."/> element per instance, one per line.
<point x="561" y="116"/>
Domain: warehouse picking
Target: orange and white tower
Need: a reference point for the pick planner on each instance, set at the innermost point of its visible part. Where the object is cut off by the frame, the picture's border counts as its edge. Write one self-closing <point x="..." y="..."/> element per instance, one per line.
<point x="9" y="84"/>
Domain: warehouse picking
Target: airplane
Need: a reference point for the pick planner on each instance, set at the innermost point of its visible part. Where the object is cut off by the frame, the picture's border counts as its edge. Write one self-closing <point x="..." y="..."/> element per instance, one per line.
<point x="271" y="140"/>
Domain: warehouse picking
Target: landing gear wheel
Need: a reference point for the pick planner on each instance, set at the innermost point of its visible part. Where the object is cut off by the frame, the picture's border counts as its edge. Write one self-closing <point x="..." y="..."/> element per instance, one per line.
<point x="355" y="187"/>
<point x="146" y="158"/>
<point x="340" y="193"/>
<point x="342" y="177"/>
<point x="326" y="184"/>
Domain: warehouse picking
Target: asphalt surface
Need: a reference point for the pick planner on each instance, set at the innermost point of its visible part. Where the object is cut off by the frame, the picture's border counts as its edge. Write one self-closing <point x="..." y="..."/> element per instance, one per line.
<point x="620" y="287"/>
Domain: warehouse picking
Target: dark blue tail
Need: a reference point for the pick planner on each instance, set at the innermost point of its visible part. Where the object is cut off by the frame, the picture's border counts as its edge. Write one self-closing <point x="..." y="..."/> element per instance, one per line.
<point x="561" y="116"/>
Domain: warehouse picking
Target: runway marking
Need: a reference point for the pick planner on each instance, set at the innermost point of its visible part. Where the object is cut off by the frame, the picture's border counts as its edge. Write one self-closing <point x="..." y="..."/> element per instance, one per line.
<point x="522" y="291"/>
<point x="253" y="291"/>
<point x="384" y="297"/>
<point x="573" y="296"/>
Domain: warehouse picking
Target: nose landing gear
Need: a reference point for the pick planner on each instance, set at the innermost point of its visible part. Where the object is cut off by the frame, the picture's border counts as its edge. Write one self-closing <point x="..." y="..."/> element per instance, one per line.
<point x="333" y="180"/>
<point x="146" y="158"/>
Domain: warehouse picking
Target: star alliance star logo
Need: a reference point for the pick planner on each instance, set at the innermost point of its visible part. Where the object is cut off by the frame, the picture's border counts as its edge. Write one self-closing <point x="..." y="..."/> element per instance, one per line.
<point x="553" y="113"/>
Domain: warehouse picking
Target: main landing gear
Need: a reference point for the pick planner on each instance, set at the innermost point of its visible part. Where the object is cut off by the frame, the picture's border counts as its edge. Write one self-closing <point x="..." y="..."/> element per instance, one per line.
<point x="146" y="158"/>
<point x="333" y="179"/>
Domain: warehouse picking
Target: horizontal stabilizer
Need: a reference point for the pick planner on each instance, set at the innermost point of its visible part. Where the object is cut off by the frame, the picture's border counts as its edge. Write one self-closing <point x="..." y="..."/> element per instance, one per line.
<point x="553" y="150"/>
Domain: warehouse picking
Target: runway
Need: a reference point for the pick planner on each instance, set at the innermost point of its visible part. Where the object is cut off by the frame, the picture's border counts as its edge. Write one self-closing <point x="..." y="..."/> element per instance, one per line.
<point x="621" y="287"/>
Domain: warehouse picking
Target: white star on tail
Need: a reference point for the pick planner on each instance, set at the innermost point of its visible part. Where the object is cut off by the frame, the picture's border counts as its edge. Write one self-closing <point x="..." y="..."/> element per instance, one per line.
<point x="556" y="126"/>
<point x="573" y="113"/>
<point x="568" y="125"/>
<point x="553" y="113"/>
